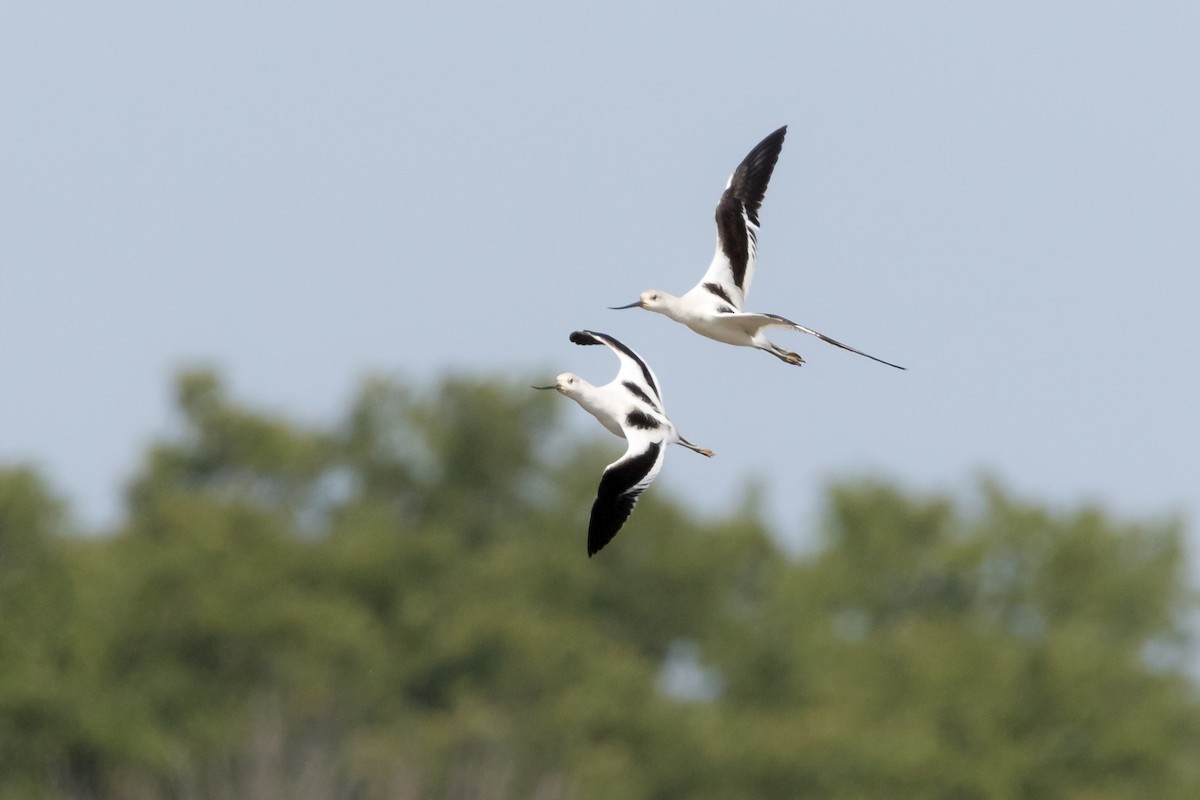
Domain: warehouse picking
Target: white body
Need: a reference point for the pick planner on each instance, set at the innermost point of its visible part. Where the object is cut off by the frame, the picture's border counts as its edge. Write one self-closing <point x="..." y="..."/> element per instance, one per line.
<point x="630" y="406"/>
<point x="714" y="306"/>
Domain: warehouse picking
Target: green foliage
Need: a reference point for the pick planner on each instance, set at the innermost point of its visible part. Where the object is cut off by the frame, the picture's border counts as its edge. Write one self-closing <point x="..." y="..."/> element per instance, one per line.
<point x="37" y="714"/>
<point x="401" y="606"/>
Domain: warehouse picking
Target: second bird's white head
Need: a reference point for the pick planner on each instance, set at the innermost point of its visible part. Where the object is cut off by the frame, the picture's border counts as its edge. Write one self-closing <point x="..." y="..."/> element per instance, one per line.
<point x="569" y="384"/>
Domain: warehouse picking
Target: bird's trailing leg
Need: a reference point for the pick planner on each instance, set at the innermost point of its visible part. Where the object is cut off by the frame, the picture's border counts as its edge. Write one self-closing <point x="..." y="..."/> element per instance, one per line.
<point x="704" y="451"/>
<point x="786" y="356"/>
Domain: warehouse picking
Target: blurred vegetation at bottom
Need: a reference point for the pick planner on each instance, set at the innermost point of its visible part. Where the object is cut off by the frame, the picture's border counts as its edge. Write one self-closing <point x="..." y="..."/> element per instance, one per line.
<point x="400" y="606"/>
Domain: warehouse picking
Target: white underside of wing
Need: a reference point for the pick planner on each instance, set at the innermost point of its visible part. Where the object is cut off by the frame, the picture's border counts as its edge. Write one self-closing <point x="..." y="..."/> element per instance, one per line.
<point x="639" y="442"/>
<point x="750" y="321"/>
<point x="631" y="371"/>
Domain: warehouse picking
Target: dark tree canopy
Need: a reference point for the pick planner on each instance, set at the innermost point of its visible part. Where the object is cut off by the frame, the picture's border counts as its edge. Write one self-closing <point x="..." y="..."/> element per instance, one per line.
<point x="399" y="606"/>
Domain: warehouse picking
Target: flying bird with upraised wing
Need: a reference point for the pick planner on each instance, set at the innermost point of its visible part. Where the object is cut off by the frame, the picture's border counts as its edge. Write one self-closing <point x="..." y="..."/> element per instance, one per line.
<point x="713" y="307"/>
<point x="630" y="406"/>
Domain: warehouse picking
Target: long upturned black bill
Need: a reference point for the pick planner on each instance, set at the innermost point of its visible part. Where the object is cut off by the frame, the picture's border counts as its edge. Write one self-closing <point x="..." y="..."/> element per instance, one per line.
<point x="543" y="388"/>
<point x="637" y="304"/>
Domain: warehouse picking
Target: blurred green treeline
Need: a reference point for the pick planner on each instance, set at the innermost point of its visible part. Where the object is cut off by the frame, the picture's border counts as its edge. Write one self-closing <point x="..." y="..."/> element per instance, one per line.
<point x="400" y="606"/>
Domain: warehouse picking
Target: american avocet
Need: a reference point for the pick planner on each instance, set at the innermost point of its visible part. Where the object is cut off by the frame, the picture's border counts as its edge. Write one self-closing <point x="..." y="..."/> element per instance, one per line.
<point x="713" y="308"/>
<point x="630" y="406"/>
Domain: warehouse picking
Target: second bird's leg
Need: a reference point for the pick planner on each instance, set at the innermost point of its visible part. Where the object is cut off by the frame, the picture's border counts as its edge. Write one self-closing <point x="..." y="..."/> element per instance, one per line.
<point x="704" y="451"/>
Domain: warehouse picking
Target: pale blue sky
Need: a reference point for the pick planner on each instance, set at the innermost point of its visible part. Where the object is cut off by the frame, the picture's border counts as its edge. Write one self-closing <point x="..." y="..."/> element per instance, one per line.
<point x="1004" y="197"/>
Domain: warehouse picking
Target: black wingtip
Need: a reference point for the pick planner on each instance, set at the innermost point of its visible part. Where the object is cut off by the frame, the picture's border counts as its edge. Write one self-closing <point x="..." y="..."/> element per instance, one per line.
<point x="603" y="529"/>
<point x="770" y="146"/>
<point x="597" y="541"/>
<point x="584" y="337"/>
<point x="766" y="153"/>
<point x="748" y="186"/>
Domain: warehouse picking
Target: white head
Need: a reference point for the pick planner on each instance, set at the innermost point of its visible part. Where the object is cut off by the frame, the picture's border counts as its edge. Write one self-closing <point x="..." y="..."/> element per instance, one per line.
<point x="651" y="300"/>
<point x="568" y="384"/>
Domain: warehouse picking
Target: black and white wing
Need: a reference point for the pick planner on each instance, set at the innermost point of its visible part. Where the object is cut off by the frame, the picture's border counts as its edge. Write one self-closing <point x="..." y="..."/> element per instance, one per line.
<point x="635" y="374"/>
<point x="623" y="482"/>
<point x="732" y="268"/>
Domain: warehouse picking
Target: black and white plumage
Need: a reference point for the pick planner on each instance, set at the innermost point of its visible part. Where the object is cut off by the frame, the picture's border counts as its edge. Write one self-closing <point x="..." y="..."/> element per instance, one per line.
<point x="630" y="406"/>
<point x="713" y="308"/>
